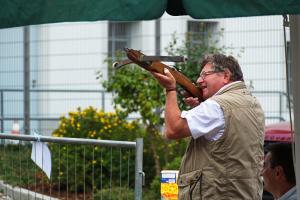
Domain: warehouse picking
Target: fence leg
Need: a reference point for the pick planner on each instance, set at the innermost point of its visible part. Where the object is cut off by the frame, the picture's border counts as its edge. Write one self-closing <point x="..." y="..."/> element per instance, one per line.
<point x="139" y="174"/>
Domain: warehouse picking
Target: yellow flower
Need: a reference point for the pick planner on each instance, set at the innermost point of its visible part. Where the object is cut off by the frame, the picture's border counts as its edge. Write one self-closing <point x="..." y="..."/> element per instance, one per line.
<point x="78" y="126"/>
<point x="90" y="134"/>
<point x="102" y="120"/>
<point x="72" y="121"/>
<point x="129" y="126"/>
<point x="100" y="114"/>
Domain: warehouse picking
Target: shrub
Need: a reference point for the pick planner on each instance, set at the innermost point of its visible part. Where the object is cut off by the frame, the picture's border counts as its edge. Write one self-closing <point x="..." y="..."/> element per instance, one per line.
<point x="79" y="167"/>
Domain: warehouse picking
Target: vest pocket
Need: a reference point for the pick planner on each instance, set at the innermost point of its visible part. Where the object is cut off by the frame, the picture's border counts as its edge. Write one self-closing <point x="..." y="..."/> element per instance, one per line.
<point x="189" y="186"/>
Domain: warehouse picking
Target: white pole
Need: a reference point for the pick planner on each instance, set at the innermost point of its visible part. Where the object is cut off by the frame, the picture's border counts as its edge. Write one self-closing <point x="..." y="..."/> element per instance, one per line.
<point x="295" y="61"/>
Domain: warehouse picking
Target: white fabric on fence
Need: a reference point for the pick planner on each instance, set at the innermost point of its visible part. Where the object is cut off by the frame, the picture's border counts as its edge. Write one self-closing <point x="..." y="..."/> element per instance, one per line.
<point x="41" y="155"/>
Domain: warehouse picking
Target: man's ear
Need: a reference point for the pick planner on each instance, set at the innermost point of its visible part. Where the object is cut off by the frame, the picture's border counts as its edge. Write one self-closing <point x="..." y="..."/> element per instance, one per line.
<point x="279" y="171"/>
<point x="227" y="76"/>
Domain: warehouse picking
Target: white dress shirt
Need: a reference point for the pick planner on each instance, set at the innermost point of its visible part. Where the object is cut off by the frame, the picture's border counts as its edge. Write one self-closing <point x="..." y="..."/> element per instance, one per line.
<point x="206" y="119"/>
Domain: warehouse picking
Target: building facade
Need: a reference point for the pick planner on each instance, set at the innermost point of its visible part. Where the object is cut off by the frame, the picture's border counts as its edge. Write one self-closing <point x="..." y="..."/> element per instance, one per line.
<point x="63" y="60"/>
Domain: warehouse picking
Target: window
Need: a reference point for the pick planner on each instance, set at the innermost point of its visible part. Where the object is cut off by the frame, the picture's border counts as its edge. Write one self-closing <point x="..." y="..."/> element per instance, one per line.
<point x="199" y="32"/>
<point x="119" y="34"/>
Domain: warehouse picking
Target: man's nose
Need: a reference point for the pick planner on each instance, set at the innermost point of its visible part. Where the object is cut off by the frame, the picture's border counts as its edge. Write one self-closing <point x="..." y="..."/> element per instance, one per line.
<point x="199" y="80"/>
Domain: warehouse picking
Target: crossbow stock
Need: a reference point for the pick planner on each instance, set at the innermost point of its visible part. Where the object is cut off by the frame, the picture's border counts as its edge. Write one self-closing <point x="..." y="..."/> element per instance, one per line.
<point x="153" y="63"/>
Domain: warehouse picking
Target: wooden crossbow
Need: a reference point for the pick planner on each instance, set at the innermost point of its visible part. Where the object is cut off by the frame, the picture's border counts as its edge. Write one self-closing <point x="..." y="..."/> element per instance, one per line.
<point x="153" y="63"/>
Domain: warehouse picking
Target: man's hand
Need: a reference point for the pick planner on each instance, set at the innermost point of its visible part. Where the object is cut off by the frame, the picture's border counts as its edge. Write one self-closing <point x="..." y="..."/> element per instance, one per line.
<point x="191" y="101"/>
<point x="166" y="80"/>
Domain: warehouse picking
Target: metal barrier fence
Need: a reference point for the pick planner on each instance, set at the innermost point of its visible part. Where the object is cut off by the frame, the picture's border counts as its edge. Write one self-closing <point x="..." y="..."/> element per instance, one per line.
<point x="46" y="106"/>
<point x="81" y="169"/>
<point x="275" y="105"/>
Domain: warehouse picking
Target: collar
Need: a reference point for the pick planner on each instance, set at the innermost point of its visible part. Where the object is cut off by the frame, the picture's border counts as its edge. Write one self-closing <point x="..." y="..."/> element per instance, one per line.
<point x="226" y="86"/>
<point x="288" y="194"/>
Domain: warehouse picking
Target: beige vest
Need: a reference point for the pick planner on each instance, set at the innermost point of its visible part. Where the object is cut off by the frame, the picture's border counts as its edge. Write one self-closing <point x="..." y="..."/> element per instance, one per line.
<point x="230" y="167"/>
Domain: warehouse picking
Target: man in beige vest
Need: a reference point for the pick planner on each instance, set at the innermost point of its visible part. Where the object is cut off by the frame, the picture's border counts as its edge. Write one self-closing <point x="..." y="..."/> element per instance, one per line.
<point x="224" y="157"/>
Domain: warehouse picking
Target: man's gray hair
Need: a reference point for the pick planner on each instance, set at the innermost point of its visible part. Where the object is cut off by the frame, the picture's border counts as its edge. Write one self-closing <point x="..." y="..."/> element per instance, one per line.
<point x="220" y="62"/>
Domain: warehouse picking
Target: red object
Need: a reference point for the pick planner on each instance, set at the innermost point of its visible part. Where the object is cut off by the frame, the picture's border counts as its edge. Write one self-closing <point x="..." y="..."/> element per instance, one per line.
<point x="278" y="132"/>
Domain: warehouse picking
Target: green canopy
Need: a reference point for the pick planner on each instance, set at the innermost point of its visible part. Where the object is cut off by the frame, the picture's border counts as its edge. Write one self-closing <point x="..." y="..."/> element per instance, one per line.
<point x="20" y="13"/>
<point x="204" y="9"/>
<point x="29" y="12"/>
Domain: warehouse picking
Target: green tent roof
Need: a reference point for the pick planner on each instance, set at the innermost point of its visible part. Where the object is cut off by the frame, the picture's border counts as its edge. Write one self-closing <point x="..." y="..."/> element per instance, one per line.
<point x="204" y="9"/>
<point x="20" y="13"/>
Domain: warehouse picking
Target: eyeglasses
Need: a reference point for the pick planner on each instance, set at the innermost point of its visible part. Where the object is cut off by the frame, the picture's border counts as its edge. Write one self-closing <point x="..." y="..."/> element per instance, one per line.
<point x="204" y="74"/>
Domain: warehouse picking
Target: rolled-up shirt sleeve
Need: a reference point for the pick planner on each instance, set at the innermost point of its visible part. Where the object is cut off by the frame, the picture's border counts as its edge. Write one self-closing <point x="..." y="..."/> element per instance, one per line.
<point x="206" y="119"/>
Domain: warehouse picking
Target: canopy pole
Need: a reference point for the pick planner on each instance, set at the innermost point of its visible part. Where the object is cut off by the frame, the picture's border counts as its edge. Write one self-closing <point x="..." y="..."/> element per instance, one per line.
<point x="295" y="61"/>
<point x="26" y="49"/>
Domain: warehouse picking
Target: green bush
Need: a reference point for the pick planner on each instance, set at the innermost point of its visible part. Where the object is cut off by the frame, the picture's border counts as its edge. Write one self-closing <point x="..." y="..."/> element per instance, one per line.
<point x="81" y="166"/>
